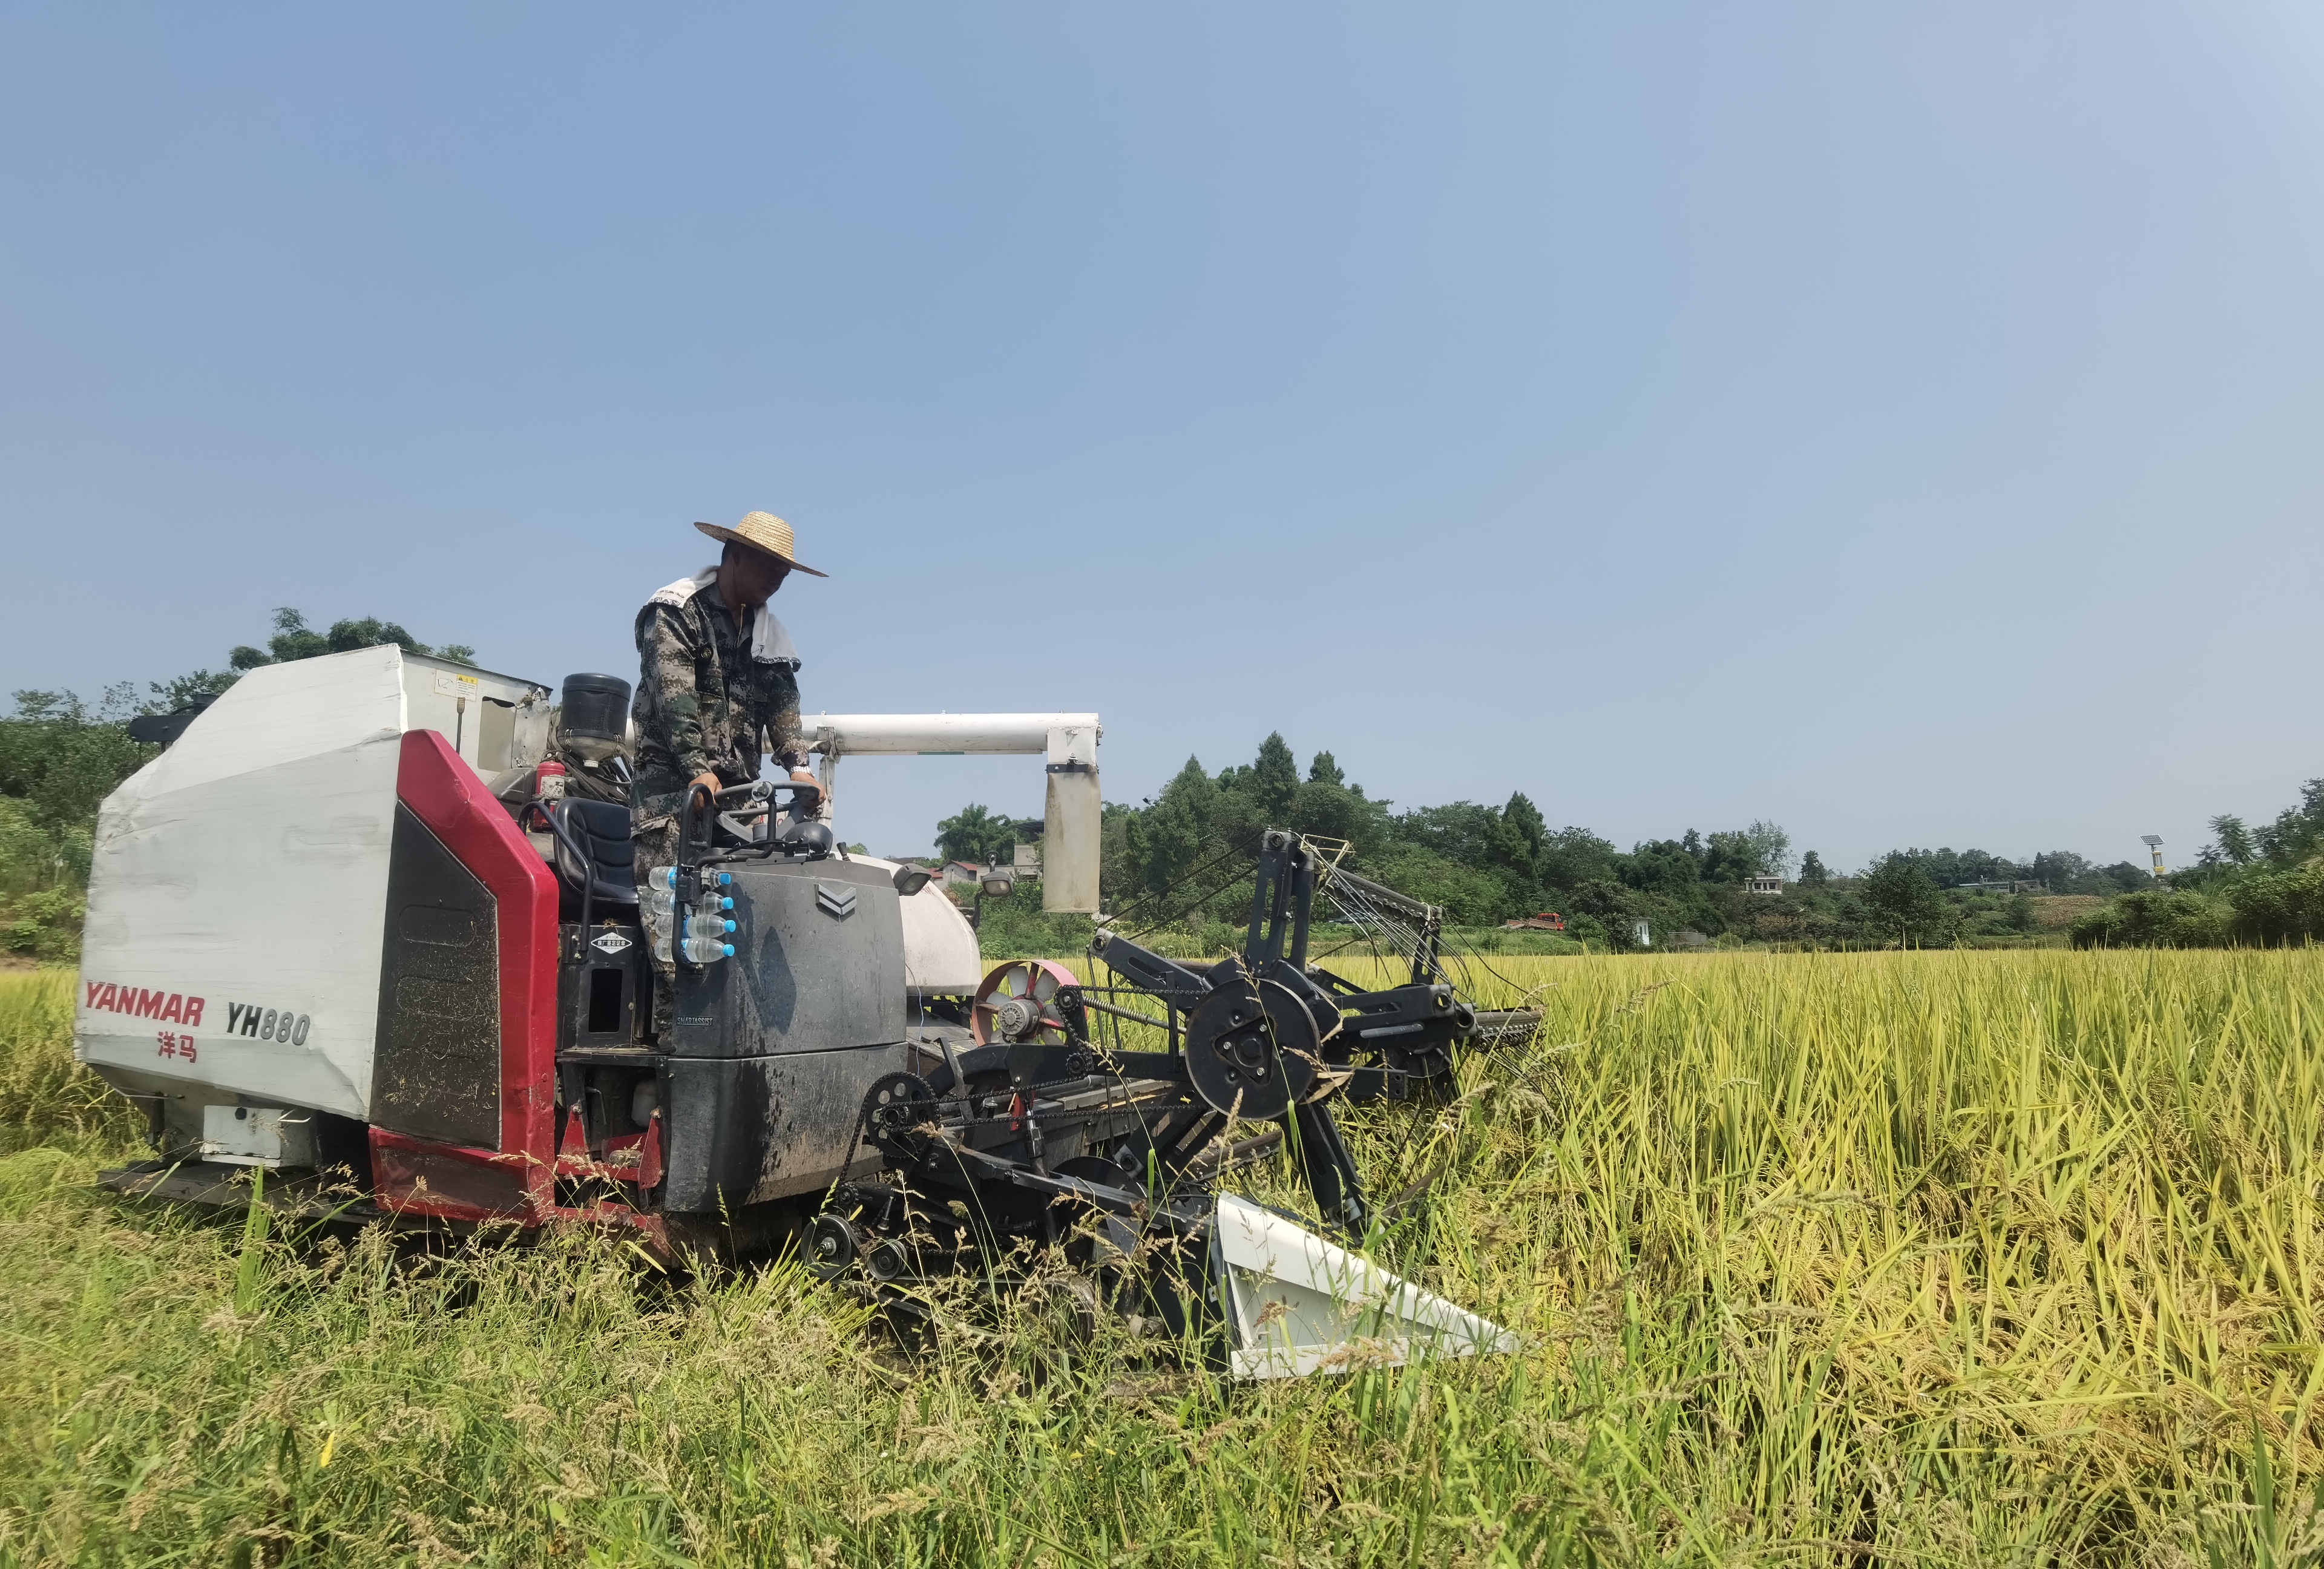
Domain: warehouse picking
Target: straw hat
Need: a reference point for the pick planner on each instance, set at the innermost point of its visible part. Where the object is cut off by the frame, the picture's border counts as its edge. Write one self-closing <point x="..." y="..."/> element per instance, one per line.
<point x="762" y="531"/>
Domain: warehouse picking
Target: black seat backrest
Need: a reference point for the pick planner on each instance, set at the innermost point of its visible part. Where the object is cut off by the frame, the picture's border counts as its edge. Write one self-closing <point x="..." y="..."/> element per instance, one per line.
<point x="601" y="831"/>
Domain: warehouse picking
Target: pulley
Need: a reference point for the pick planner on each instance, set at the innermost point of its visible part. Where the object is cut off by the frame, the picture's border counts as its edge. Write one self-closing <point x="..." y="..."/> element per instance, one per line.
<point x="1250" y="1050"/>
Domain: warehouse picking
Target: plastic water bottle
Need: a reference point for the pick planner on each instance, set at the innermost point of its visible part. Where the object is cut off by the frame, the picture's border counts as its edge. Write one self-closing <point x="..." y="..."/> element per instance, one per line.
<point x="659" y="896"/>
<point x="708" y="950"/>
<point x="658" y="904"/>
<point x="703" y="924"/>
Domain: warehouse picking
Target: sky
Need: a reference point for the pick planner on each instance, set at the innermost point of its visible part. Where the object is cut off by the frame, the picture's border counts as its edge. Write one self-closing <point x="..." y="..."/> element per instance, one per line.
<point x="1905" y="425"/>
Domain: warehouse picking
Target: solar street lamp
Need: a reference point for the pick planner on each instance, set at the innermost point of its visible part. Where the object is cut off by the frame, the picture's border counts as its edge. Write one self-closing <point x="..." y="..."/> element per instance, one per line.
<point x="2154" y="848"/>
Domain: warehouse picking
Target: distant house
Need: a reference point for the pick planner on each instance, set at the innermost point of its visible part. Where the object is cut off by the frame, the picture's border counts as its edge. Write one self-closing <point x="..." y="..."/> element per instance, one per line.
<point x="1765" y="885"/>
<point x="1548" y="920"/>
<point x="959" y="873"/>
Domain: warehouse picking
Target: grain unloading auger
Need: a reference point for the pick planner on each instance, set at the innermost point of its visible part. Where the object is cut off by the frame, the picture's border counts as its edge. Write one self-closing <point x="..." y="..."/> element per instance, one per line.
<point x="334" y="936"/>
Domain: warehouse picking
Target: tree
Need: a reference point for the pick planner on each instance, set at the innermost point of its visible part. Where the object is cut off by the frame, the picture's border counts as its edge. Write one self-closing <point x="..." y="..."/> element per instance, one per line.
<point x="1461" y="831"/>
<point x="1728" y="858"/>
<point x="2279" y="906"/>
<point x="1471" y="895"/>
<point x="2155" y="919"/>
<point x="1951" y="868"/>
<point x="1524" y="833"/>
<point x="2262" y="885"/>
<point x="1330" y="810"/>
<point x="1572" y="856"/>
<point x="61" y="758"/>
<point x="293" y="639"/>
<point x="976" y="833"/>
<point x="1274" y="777"/>
<point x="2236" y="845"/>
<point x="2298" y="832"/>
<point x="168" y="697"/>
<point x="1486" y="863"/>
<point x="1602" y="910"/>
<point x="1771" y="850"/>
<point x="1901" y="902"/>
<point x="1180" y="826"/>
<point x="2059" y="870"/>
<point x="1664" y="866"/>
<point x="1121" y="850"/>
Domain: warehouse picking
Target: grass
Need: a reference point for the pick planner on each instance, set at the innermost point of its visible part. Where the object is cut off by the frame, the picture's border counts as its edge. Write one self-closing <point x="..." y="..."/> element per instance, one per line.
<point x="1960" y="1258"/>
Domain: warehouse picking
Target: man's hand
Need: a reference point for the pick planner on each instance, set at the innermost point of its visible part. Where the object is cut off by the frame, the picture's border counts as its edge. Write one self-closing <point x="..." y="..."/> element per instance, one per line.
<point x="806" y="776"/>
<point x="707" y="782"/>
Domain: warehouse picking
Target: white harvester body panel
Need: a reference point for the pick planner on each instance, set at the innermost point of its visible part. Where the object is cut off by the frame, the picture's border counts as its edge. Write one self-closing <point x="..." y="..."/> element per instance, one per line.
<point x="1297" y="1304"/>
<point x="238" y="881"/>
<point x="941" y="959"/>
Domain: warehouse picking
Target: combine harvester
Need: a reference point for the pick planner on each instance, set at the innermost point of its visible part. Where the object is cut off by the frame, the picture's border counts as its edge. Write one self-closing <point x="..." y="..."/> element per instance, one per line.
<point x="333" y="935"/>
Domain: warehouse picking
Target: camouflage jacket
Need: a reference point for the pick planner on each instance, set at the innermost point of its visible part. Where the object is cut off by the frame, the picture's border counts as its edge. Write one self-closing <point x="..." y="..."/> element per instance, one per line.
<point x="706" y="699"/>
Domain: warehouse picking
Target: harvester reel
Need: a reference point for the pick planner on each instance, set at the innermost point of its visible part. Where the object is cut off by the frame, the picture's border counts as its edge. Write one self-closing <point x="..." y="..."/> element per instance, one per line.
<point x="1016" y="1005"/>
<point x="1251" y="1050"/>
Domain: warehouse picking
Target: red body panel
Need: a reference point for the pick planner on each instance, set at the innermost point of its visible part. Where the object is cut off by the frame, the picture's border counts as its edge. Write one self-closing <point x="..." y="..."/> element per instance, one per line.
<point x="518" y="1182"/>
<point x="419" y="1177"/>
<point x="444" y="793"/>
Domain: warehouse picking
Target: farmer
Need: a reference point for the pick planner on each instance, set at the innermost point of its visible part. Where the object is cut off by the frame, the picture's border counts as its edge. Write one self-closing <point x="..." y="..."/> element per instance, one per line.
<point x="717" y="690"/>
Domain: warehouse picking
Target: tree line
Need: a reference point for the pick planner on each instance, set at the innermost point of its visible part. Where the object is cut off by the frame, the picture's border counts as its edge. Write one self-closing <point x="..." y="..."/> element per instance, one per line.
<point x="2252" y="886"/>
<point x="1489" y="864"/>
<point x="1181" y="858"/>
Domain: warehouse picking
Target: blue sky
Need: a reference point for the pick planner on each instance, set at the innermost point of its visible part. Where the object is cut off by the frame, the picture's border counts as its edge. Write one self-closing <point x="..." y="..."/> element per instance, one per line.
<point x="1902" y="426"/>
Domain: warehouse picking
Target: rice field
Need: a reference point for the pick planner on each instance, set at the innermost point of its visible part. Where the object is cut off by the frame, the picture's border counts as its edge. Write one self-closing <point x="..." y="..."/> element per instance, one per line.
<point x="1927" y="1258"/>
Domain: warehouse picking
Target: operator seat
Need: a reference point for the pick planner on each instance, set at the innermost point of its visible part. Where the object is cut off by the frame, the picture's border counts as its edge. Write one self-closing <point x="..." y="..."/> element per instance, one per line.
<point x="600" y="831"/>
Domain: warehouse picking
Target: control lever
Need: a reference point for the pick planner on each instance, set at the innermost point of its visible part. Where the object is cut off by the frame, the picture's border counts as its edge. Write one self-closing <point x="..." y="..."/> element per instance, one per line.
<point x="799" y="833"/>
<point x="804" y="798"/>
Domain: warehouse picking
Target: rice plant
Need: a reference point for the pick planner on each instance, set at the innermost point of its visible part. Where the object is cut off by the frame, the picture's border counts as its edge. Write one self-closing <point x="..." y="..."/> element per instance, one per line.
<point x="1954" y="1258"/>
<point x="44" y="1097"/>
